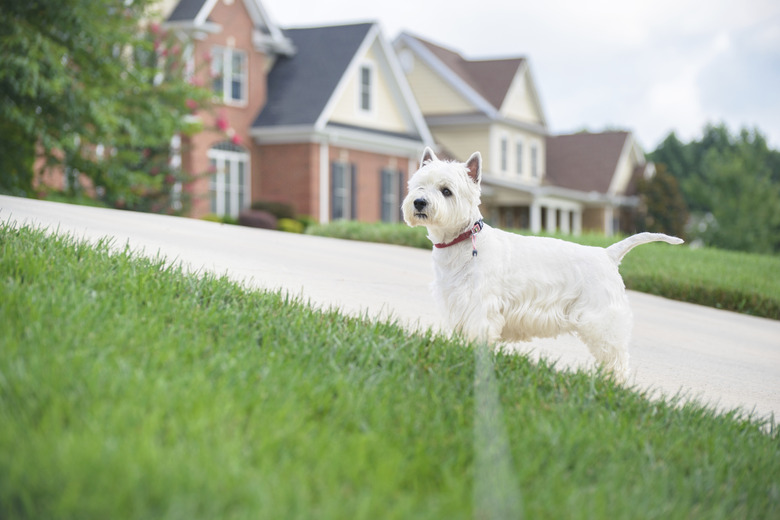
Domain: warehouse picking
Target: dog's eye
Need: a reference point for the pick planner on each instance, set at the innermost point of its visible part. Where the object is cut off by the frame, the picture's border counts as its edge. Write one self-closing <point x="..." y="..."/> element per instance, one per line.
<point x="446" y="192"/>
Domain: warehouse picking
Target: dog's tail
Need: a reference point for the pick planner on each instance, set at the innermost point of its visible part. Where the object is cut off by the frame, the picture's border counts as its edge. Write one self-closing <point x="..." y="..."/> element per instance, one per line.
<point x="617" y="251"/>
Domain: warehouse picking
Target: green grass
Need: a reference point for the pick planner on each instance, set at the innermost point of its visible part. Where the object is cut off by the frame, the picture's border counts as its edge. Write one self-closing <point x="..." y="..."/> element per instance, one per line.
<point x="397" y="234"/>
<point x="129" y="389"/>
<point x="730" y="280"/>
<point x="741" y="282"/>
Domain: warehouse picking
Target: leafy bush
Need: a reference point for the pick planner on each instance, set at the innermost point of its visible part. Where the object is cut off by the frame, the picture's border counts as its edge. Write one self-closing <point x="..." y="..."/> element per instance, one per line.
<point x="211" y="217"/>
<point x="277" y="209"/>
<point x="398" y="234"/>
<point x="291" y="225"/>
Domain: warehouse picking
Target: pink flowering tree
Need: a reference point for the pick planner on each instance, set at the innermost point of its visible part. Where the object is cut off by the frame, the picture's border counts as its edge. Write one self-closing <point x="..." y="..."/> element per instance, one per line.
<point x="94" y="91"/>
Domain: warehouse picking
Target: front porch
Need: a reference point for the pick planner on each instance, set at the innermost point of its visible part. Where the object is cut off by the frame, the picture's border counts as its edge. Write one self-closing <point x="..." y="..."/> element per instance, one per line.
<point x="511" y="205"/>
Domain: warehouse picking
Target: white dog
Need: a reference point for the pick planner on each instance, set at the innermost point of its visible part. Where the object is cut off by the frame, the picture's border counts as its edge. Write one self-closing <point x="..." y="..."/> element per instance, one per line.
<point x="494" y="285"/>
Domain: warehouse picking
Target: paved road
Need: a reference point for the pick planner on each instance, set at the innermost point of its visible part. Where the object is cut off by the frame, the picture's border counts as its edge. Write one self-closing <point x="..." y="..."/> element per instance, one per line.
<point x="725" y="359"/>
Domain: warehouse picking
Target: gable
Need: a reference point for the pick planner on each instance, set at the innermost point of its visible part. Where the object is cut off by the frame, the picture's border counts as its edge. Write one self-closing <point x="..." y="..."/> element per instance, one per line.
<point x="521" y="102"/>
<point x="631" y="159"/>
<point x="195" y="15"/>
<point x="436" y="77"/>
<point x="321" y="85"/>
<point x="433" y="94"/>
<point x="492" y="79"/>
<point x="386" y="107"/>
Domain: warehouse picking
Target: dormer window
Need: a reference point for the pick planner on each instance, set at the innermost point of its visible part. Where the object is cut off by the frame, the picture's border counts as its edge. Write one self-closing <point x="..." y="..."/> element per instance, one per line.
<point x="229" y="74"/>
<point x="366" y="101"/>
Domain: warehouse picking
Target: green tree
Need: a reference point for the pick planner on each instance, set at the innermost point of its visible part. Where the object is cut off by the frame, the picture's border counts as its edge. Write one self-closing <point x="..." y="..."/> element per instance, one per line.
<point x="78" y="77"/>
<point x="743" y="200"/>
<point x="663" y="208"/>
<point x="731" y="184"/>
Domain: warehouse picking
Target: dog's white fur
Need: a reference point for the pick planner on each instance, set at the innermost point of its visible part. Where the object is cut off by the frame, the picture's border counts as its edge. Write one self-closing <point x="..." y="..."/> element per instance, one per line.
<point x="519" y="287"/>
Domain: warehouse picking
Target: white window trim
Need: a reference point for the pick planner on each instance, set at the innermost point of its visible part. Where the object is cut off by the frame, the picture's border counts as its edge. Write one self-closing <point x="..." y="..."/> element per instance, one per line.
<point x="226" y="54"/>
<point x="372" y="92"/>
<point x="232" y="158"/>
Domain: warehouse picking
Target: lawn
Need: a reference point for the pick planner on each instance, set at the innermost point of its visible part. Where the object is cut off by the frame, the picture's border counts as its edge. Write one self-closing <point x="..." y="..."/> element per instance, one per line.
<point x="741" y="282"/>
<point x="130" y="389"/>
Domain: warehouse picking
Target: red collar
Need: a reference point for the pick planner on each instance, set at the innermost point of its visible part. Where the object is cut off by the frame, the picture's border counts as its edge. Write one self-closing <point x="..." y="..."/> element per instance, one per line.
<point x="469" y="233"/>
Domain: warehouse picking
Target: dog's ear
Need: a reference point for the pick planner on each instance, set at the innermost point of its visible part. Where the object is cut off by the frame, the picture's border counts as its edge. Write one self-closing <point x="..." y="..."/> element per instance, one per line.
<point x="474" y="166"/>
<point x="427" y="156"/>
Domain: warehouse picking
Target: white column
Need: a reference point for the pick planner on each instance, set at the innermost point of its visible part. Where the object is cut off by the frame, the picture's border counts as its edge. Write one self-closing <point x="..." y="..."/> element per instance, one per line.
<point x="565" y="220"/>
<point x="551" y="220"/>
<point x="608" y="221"/>
<point x="324" y="183"/>
<point x="536" y="217"/>
<point x="577" y="222"/>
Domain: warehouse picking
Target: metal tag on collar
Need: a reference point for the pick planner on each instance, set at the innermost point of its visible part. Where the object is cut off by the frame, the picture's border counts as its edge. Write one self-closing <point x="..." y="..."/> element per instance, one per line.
<point x="474" y="230"/>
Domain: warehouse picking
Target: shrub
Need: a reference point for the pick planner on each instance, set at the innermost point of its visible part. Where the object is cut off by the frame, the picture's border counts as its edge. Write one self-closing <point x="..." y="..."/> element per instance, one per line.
<point x="257" y="219"/>
<point x="225" y="219"/>
<point x="290" y="225"/>
<point x="277" y="209"/>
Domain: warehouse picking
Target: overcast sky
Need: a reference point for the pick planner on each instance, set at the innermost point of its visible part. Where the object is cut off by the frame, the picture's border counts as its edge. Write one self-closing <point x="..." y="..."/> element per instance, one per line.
<point x="648" y="66"/>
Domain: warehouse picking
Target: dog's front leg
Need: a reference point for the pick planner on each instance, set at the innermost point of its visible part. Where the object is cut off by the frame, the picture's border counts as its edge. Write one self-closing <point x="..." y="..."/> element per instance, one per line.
<point x="482" y="324"/>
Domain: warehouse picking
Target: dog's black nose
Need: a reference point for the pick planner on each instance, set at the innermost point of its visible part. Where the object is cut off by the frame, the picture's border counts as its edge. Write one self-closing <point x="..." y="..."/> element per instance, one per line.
<point x="419" y="204"/>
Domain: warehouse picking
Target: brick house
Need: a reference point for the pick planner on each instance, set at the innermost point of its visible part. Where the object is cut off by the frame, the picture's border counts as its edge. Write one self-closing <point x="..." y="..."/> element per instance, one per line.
<point x="332" y="120"/>
<point x="320" y="118"/>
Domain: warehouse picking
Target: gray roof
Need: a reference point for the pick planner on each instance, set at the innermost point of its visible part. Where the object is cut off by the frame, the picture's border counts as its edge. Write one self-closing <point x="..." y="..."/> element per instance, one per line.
<point x="300" y="86"/>
<point x="186" y="10"/>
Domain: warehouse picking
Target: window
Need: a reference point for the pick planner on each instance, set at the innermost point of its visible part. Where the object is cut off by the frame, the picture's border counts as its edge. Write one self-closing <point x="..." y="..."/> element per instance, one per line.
<point x="504" y="154"/>
<point x="175" y="164"/>
<point x="189" y="62"/>
<point x="534" y="161"/>
<point x="229" y="74"/>
<point x="342" y="191"/>
<point x="229" y="181"/>
<point x="366" y="101"/>
<point x="391" y="195"/>
<point x="519" y="157"/>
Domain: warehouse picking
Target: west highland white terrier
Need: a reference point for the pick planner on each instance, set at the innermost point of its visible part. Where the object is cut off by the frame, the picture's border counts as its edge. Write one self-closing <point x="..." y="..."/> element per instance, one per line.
<point x="494" y="286"/>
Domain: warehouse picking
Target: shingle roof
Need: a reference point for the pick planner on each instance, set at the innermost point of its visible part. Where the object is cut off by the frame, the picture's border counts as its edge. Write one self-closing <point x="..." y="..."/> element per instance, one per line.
<point x="300" y="86"/>
<point x="490" y="78"/>
<point x="584" y="161"/>
<point x="186" y="10"/>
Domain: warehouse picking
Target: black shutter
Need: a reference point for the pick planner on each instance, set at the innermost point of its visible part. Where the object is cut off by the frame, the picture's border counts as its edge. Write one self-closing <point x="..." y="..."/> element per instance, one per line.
<point x="353" y="193"/>
<point x="401" y="194"/>
<point x="333" y="191"/>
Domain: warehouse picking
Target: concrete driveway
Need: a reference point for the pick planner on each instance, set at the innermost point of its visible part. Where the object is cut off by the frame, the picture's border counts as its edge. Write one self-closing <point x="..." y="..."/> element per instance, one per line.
<point x="725" y="359"/>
